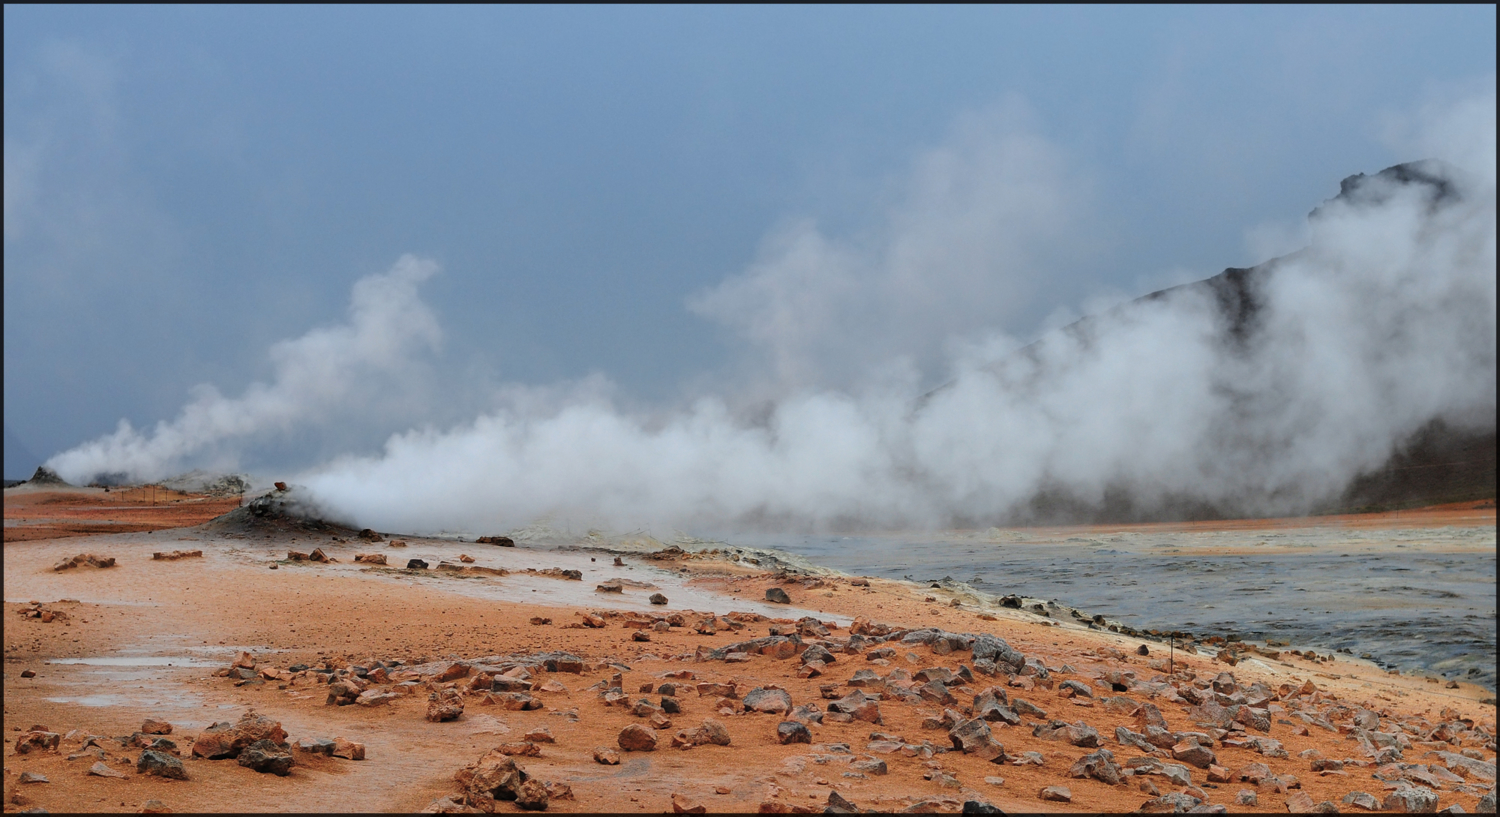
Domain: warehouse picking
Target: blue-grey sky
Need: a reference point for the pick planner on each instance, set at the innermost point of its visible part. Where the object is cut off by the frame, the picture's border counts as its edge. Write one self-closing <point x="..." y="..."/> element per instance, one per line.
<point x="187" y="186"/>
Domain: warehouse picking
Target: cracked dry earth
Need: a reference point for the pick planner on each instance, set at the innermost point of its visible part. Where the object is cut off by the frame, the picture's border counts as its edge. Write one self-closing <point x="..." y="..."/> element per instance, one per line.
<point x="365" y="653"/>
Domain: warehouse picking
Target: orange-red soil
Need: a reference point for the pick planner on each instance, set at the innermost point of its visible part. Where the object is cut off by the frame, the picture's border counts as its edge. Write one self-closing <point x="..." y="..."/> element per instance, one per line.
<point x="208" y="607"/>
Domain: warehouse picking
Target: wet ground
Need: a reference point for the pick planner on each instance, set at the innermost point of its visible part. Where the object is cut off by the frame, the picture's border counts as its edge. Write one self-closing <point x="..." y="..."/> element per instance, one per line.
<point x="1409" y="599"/>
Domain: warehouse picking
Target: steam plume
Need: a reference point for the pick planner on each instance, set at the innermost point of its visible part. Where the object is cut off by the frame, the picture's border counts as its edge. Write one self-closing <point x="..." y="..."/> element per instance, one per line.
<point x="387" y="324"/>
<point x="1383" y="323"/>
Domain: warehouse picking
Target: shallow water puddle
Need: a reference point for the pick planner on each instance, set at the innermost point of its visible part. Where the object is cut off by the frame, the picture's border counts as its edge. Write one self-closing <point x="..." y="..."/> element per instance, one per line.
<point x="138" y="661"/>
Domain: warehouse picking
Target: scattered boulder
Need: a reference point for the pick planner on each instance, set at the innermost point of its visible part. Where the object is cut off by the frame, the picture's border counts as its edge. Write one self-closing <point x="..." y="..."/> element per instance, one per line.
<point x="497" y="776"/>
<point x="161" y="765"/>
<point x="347" y="749"/>
<point x="657" y="598"/>
<point x="1411" y="800"/>
<point x="177" y="554"/>
<point x="769" y="701"/>
<point x="1056" y="794"/>
<point x="792" y="732"/>
<point x="532" y="795"/>
<point x="101" y="770"/>
<point x="859" y="706"/>
<point x="972" y="737"/>
<point x="1170" y="803"/>
<point x="1099" y="765"/>
<point x="991" y="648"/>
<point x="502" y="541"/>
<point x="252" y="728"/>
<point x="445" y="705"/>
<point x="37" y="740"/>
<point x="1191" y="752"/>
<point x="523" y="748"/>
<point x="32" y="777"/>
<point x="1079" y="734"/>
<point x="152" y="726"/>
<point x="778" y="596"/>
<point x="370" y="558"/>
<point x="416" y="564"/>
<point x="216" y="742"/>
<point x="606" y="756"/>
<point x="266" y="756"/>
<point x="637" y="738"/>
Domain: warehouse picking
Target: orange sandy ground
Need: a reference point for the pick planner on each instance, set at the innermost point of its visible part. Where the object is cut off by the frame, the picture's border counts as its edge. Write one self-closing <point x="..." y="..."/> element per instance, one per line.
<point x="31" y="515"/>
<point x="307" y="612"/>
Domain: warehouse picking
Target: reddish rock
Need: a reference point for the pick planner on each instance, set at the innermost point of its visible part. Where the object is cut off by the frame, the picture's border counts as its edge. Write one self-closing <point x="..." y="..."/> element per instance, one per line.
<point x="1189" y="751"/>
<point x="37" y="740"/>
<point x="637" y="738"/>
<point x="532" y="795"/>
<point x="606" y="756"/>
<point x="452" y="672"/>
<point x="348" y="749"/>
<point x="215" y="742"/>
<point x="520" y="749"/>
<point x="496" y="776"/>
<point x="445" y="705"/>
<point x="1056" y="794"/>
<point x="682" y="804"/>
<point x="252" y="727"/>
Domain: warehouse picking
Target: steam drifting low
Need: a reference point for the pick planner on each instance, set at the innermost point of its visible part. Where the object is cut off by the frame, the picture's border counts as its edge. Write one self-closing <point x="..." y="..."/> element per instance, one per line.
<point x="1383" y="323"/>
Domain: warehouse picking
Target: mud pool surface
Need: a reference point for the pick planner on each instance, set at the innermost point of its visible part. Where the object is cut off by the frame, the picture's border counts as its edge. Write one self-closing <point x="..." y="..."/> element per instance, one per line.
<point x="1407" y="599"/>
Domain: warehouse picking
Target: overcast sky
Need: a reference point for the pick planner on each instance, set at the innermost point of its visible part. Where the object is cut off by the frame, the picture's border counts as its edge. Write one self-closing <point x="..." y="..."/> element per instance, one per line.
<point x="595" y="188"/>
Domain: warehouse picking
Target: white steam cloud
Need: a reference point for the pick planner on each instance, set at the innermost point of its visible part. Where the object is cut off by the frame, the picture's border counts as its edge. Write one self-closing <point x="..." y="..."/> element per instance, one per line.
<point x="314" y="374"/>
<point x="1384" y="323"/>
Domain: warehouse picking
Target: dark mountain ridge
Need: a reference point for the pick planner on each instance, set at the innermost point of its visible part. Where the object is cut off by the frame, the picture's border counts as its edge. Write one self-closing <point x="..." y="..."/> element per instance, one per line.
<point x="1440" y="463"/>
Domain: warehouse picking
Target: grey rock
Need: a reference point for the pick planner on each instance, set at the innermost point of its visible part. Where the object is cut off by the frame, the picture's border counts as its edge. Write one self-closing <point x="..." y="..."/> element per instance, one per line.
<point x="1411" y="800"/>
<point x="1172" y="803"/>
<point x="1024" y="707"/>
<point x="972" y="737"/>
<point x="161" y="765"/>
<point x="769" y="701"/>
<point x="1099" y="765"/>
<point x="788" y="732"/>
<point x="777" y="595"/>
<point x="267" y="757"/>
<point x="990" y="648"/>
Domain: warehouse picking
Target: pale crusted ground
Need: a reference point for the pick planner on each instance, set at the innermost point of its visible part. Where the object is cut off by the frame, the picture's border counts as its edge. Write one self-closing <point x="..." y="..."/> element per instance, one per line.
<point x="201" y="611"/>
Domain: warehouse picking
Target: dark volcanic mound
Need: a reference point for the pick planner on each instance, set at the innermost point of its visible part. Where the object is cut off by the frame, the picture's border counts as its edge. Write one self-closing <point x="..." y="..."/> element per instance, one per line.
<point x="286" y="510"/>
<point x="46" y="476"/>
